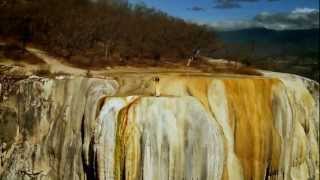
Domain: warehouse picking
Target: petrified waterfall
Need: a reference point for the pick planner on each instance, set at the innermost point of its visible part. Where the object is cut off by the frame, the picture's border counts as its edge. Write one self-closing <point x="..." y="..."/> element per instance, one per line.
<point x="202" y="126"/>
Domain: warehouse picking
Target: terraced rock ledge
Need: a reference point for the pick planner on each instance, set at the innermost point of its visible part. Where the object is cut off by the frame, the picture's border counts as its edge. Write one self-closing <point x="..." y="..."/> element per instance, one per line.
<point x="155" y="123"/>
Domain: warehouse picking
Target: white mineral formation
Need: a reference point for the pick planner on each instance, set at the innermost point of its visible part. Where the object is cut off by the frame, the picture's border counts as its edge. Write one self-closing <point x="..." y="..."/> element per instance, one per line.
<point x="202" y="126"/>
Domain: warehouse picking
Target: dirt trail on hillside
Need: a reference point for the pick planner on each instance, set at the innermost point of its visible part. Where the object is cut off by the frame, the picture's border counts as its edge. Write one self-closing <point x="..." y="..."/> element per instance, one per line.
<point x="52" y="65"/>
<point x="55" y="65"/>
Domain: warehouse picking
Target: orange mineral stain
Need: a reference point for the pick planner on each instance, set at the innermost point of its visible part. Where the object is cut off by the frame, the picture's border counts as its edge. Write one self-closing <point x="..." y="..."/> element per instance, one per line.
<point x="257" y="143"/>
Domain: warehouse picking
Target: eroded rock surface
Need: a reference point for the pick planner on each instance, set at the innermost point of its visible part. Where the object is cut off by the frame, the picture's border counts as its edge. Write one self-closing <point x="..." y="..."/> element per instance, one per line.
<point x="200" y="127"/>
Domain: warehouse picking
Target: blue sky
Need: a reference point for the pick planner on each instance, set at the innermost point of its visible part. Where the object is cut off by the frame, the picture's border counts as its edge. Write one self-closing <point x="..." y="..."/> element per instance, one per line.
<point x="213" y="11"/>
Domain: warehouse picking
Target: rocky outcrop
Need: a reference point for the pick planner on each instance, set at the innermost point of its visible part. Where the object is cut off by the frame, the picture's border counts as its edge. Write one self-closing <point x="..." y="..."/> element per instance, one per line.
<point x="201" y="126"/>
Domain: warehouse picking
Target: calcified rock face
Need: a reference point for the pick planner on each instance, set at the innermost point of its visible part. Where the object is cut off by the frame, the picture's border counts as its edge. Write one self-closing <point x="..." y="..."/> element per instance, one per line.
<point x="199" y="127"/>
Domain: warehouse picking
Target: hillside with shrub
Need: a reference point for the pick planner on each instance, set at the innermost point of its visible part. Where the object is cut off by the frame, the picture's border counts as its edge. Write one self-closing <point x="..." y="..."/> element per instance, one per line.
<point x="87" y="33"/>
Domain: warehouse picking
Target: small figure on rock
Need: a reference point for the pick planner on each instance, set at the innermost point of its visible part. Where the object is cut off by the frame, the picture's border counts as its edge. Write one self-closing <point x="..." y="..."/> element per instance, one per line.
<point x="157" y="86"/>
<point x="194" y="56"/>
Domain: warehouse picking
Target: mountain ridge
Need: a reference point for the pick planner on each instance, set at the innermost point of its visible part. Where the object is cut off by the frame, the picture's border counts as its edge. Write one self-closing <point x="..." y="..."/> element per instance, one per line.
<point x="254" y="33"/>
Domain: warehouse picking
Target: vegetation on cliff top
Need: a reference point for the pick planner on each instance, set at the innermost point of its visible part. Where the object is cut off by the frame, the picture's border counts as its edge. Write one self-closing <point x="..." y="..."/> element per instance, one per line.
<point x="95" y="33"/>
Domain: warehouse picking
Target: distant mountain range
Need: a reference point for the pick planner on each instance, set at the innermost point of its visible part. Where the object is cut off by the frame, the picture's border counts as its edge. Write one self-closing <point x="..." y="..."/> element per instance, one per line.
<point x="265" y="42"/>
<point x="291" y="51"/>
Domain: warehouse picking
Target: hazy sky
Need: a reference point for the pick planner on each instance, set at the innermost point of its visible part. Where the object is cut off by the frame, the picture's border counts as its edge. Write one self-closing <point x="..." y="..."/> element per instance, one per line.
<point x="238" y="14"/>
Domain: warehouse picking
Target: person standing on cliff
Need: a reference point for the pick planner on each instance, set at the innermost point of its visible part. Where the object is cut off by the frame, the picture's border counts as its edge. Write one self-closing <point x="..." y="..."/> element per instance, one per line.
<point x="195" y="55"/>
<point x="157" y="86"/>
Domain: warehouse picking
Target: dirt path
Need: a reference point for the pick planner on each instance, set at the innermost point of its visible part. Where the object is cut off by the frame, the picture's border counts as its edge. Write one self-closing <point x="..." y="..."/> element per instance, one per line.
<point x="54" y="64"/>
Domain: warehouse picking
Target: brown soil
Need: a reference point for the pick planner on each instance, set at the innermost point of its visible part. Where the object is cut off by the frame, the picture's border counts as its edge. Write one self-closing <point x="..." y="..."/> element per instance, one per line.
<point x="200" y="64"/>
<point x="12" y="50"/>
<point x="17" y="53"/>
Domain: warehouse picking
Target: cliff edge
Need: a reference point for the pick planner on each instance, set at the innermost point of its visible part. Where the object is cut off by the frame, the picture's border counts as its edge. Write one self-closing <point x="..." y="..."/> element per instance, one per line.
<point x="155" y="123"/>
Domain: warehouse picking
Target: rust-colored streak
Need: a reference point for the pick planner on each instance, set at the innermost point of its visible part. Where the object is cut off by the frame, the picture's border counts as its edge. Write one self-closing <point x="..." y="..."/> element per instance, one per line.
<point x="256" y="140"/>
<point x="199" y="89"/>
<point x="121" y="140"/>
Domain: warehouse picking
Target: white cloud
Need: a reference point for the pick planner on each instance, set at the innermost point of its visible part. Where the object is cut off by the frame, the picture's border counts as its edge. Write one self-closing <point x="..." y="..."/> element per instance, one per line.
<point x="232" y="25"/>
<point x="300" y="18"/>
<point x="304" y="10"/>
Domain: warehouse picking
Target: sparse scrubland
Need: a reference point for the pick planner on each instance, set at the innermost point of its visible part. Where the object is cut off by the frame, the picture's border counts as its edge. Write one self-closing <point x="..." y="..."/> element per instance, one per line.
<point x="87" y="33"/>
<point x="96" y="34"/>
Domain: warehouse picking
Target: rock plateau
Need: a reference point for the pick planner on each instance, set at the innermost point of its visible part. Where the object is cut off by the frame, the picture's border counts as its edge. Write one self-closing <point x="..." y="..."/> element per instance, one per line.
<point x="111" y="125"/>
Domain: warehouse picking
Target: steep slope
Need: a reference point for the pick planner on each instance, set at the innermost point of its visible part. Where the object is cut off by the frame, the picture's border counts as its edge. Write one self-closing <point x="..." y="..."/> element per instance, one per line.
<point x="188" y="125"/>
